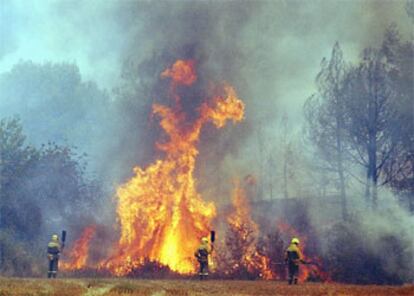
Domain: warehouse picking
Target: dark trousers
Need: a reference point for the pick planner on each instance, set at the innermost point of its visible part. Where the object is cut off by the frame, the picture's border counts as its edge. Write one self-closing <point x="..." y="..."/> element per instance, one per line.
<point x="53" y="268"/>
<point x="203" y="269"/>
<point x="293" y="270"/>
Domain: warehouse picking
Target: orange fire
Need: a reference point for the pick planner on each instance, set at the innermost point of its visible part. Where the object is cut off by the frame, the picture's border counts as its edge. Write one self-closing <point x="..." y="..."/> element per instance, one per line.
<point x="78" y="255"/>
<point x="182" y="72"/>
<point x="247" y="231"/>
<point x="160" y="213"/>
<point x="306" y="271"/>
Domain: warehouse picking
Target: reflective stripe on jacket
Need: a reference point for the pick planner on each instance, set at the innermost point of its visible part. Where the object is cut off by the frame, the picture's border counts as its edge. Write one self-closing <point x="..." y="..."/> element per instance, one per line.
<point x="53" y="248"/>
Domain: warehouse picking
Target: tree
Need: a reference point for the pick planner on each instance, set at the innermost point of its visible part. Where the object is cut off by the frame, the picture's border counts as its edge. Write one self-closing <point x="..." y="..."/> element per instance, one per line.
<point x="371" y="117"/>
<point x="42" y="190"/>
<point x="409" y="8"/>
<point x="14" y="160"/>
<point x="363" y="114"/>
<point x="399" y="171"/>
<point x="57" y="183"/>
<point x="55" y="97"/>
<point x="287" y="157"/>
<point x="325" y="116"/>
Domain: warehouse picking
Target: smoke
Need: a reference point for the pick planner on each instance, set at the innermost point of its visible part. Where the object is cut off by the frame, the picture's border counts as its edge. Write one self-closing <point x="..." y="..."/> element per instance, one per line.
<point x="270" y="52"/>
<point x="114" y="51"/>
<point x="7" y="30"/>
<point x="373" y="247"/>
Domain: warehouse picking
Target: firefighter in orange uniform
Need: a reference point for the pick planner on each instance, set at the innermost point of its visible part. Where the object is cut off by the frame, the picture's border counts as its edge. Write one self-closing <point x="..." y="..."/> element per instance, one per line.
<point x="293" y="257"/>
<point x="202" y="253"/>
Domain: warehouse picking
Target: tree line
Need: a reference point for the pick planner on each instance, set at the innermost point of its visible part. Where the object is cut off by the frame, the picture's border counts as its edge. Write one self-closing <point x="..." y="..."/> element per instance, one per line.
<point x="362" y="116"/>
<point x="41" y="190"/>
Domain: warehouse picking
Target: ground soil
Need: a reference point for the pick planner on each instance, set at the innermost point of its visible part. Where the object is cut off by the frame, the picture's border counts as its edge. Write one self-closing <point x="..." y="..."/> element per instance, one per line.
<point x="110" y="287"/>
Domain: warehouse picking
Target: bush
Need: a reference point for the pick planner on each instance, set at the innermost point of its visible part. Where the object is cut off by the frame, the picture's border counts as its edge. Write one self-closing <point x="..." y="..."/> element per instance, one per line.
<point x="355" y="256"/>
<point x="15" y="260"/>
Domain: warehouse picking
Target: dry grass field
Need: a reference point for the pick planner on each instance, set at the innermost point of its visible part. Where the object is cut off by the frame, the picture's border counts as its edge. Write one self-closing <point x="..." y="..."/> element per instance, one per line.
<point x="112" y="287"/>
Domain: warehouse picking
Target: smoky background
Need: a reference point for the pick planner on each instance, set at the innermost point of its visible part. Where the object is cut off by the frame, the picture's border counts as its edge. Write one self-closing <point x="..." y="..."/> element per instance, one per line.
<point x="86" y="73"/>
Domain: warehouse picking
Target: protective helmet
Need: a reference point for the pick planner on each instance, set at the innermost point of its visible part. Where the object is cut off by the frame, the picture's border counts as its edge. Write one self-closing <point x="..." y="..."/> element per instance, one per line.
<point x="204" y="240"/>
<point x="55" y="237"/>
<point x="295" y="240"/>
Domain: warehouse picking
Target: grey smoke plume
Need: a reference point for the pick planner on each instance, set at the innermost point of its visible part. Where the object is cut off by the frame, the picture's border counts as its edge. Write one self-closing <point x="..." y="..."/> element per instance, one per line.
<point x="114" y="51"/>
<point x="269" y="50"/>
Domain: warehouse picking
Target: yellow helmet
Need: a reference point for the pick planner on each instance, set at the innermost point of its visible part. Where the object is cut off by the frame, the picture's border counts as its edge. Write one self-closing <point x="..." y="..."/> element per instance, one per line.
<point x="295" y="240"/>
<point x="55" y="237"/>
<point x="204" y="240"/>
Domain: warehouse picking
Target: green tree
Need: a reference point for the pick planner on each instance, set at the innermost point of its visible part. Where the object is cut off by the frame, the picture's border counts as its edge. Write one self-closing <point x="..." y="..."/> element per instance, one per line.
<point x="55" y="104"/>
<point x="15" y="157"/>
<point x="42" y="191"/>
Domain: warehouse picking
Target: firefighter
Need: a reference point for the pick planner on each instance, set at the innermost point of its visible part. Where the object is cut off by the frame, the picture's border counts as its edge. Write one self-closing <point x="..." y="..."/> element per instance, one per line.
<point x="293" y="257"/>
<point x="202" y="253"/>
<point x="53" y="252"/>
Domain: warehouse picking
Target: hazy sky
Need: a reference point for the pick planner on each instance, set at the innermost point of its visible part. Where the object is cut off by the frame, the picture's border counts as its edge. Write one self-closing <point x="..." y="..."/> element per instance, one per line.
<point x="283" y="40"/>
<point x="269" y="50"/>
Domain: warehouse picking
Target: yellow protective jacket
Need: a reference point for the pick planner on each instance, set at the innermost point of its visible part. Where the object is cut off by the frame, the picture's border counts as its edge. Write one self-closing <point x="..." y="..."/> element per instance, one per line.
<point x="53" y="249"/>
<point x="293" y="255"/>
<point x="202" y="252"/>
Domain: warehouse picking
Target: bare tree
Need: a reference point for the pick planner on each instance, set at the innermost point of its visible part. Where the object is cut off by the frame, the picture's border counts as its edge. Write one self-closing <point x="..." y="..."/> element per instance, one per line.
<point x="262" y="152"/>
<point x="399" y="171"/>
<point x="286" y="155"/>
<point x="370" y="113"/>
<point x="266" y="165"/>
<point x="325" y="115"/>
<point x="409" y="8"/>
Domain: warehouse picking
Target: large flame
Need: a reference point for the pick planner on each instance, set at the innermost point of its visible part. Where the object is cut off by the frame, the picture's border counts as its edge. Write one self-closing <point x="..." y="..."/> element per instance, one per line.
<point x="161" y="214"/>
<point x="77" y="256"/>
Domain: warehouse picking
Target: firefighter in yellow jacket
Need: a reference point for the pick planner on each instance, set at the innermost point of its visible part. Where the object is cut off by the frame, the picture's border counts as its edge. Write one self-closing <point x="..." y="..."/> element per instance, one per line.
<point x="202" y="253"/>
<point x="53" y="252"/>
<point x="293" y="257"/>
